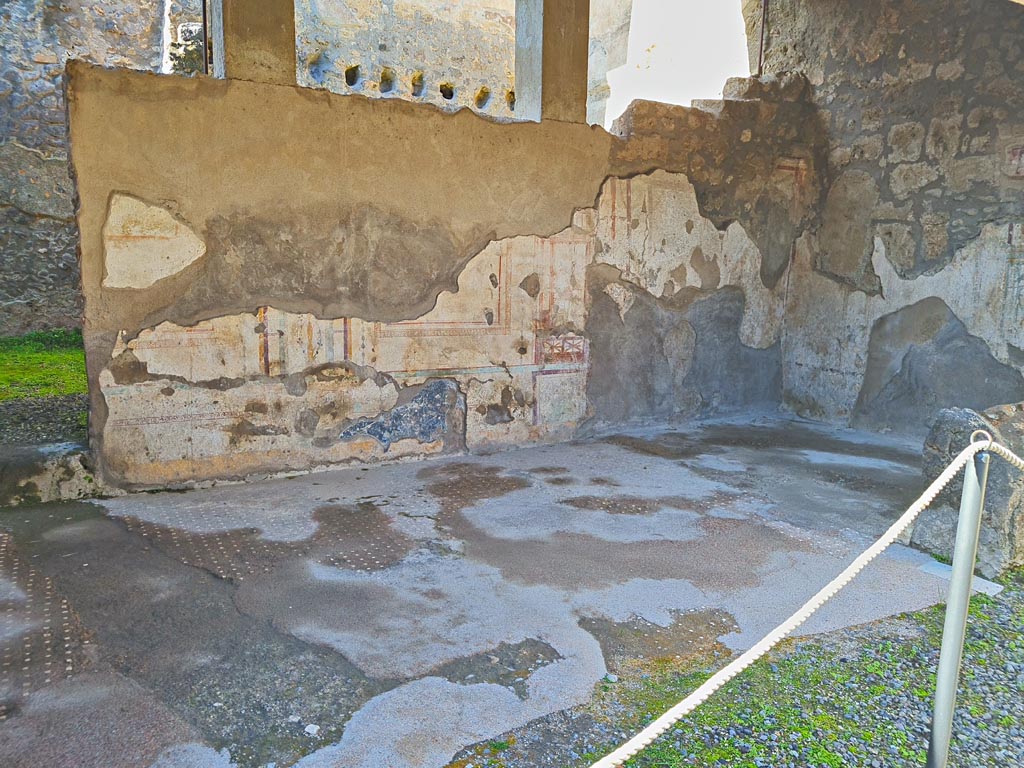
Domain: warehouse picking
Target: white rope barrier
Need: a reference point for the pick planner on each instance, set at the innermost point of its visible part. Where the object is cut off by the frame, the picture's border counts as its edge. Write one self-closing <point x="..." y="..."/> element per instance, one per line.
<point x="704" y="692"/>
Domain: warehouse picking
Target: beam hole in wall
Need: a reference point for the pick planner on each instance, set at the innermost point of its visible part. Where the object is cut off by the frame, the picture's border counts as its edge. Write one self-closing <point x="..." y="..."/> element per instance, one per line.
<point x="319" y="67"/>
<point x="352" y="76"/>
<point x="387" y="80"/>
<point x="418" y="84"/>
<point x="510" y="99"/>
<point x="468" y="43"/>
<point x="483" y="96"/>
<point x="447" y="91"/>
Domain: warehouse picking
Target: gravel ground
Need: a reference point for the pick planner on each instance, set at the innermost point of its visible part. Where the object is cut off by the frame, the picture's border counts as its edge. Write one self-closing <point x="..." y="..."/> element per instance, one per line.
<point x="42" y="420"/>
<point x="855" y="697"/>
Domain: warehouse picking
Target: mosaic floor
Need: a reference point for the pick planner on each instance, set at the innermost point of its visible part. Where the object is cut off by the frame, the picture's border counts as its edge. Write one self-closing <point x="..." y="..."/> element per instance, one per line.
<point x="392" y="616"/>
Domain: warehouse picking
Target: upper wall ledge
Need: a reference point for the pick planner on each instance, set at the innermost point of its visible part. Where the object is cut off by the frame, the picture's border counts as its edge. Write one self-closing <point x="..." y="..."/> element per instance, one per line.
<point x="785" y="86"/>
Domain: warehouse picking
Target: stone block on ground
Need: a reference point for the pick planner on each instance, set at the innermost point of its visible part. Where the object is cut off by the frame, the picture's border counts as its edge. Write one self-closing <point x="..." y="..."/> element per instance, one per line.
<point x="36" y="474"/>
<point x="1001" y="543"/>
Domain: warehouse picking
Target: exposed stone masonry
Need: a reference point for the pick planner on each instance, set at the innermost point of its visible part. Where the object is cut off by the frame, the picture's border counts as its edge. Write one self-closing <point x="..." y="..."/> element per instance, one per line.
<point x="925" y="119"/>
<point x="924" y="199"/>
<point x="37" y="232"/>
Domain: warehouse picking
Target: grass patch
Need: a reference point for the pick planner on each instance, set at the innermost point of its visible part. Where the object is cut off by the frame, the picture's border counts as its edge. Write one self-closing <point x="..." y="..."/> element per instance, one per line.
<point x="813" y="704"/>
<point x="42" y="364"/>
<point x="803" y="698"/>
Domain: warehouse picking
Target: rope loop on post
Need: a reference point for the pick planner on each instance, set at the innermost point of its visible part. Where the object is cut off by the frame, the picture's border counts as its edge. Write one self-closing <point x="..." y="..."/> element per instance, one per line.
<point x="981" y="435"/>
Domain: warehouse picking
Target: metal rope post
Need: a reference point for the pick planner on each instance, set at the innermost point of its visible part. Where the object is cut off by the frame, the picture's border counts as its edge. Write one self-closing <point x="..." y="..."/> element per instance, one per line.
<point x="954" y="630"/>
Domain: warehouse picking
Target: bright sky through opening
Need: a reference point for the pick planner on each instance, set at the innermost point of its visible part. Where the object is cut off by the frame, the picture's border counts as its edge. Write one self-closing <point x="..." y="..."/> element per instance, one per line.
<point x="679" y="50"/>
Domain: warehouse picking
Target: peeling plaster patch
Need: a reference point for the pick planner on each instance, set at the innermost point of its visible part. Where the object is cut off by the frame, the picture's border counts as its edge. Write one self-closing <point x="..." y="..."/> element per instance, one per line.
<point x="534" y="288"/>
<point x="1013" y="158"/>
<point x="273" y="390"/>
<point x="651" y="229"/>
<point x="144" y="243"/>
<point x="828" y="327"/>
<point x="362" y="260"/>
<point x="424" y="418"/>
<point x="622" y="296"/>
<point x="530" y="284"/>
<point x="845" y="236"/>
<point x="920" y="360"/>
<point x="500" y="412"/>
<point x="204" y="433"/>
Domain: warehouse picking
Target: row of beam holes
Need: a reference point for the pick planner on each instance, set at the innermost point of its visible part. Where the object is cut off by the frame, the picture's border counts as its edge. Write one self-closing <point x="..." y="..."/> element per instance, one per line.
<point x="418" y="83"/>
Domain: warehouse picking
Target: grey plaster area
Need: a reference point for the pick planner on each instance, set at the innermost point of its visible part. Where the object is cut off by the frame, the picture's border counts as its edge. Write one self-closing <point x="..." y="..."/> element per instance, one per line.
<point x="393" y="615"/>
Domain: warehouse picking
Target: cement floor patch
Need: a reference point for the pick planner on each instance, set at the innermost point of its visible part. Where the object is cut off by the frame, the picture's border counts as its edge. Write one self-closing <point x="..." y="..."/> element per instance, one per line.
<point x="393" y="615"/>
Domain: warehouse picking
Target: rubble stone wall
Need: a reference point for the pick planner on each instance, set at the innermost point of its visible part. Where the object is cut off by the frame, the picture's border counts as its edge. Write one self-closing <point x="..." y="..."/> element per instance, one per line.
<point x="907" y="294"/>
<point x="37" y="230"/>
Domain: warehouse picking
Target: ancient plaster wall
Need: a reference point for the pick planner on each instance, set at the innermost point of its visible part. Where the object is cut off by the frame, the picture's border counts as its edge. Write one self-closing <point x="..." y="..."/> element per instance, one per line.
<point x="411" y="49"/>
<point x="469" y="43"/>
<point x="905" y="296"/>
<point x="37" y="230"/>
<point x="454" y="54"/>
<point x="274" y="301"/>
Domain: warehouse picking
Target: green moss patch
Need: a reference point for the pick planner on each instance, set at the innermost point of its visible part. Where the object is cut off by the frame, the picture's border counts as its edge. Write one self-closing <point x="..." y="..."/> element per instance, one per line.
<point x="857" y="697"/>
<point x="42" y="364"/>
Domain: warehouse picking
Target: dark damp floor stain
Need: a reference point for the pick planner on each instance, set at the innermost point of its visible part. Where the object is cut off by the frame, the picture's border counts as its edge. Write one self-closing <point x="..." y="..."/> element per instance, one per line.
<point x="640" y="505"/>
<point x="460" y="485"/>
<point x="872" y="496"/>
<point x="714" y="438"/>
<point x="509" y="665"/>
<point x="644" y="657"/>
<point x="605" y="481"/>
<point x="30" y="523"/>
<point x="549" y="471"/>
<point x="867" y="482"/>
<point x="616" y="505"/>
<point x="41" y="626"/>
<point x="794" y="437"/>
<point x="580" y="561"/>
<point x="357" y="536"/>
<point x="714" y="502"/>
<point x="560" y="481"/>
<point x="671" y="445"/>
<point x="741" y="481"/>
<point x="178" y="632"/>
<point x="574" y="561"/>
<point x="636" y="641"/>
